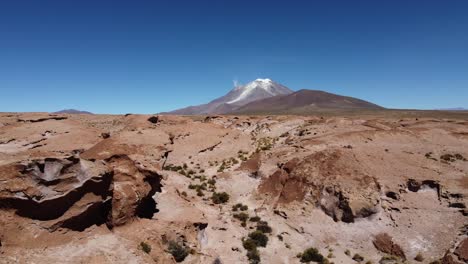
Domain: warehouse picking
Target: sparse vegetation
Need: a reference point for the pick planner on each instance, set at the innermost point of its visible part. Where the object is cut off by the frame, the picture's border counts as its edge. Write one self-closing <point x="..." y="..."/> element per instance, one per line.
<point x="242" y="155"/>
<point x="452" y="157"/>
<point x="243" y="217"/>
<point x="255" y="219"/>
<point x="145" y="247"/>
<point x="253" y="256"/>
<point x="240" y="206"/>
<point x="227" y="164"/>
<point x="178" y="251"/>
<point x="347" y="252"/>
<point x="260" y="239"/>
<point x="311" y="254"/>
<point x="264" y="144"/>
<point x="220" y="198"/>
<point x="263" y="227"/>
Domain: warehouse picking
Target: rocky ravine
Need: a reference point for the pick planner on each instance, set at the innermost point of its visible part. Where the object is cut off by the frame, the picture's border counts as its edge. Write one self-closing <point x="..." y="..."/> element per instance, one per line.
<point x="136" y="189"/>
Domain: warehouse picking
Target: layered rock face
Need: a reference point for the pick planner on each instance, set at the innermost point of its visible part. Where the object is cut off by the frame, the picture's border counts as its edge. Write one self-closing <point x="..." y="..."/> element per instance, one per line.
<point x="75" y="193"/>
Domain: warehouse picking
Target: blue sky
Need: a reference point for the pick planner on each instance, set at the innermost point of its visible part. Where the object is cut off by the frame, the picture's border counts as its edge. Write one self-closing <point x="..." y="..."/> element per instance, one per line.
<point x="151" y="56"/>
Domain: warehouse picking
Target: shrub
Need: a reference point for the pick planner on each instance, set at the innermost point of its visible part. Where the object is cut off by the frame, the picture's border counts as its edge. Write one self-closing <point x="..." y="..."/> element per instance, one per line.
<point x="312" y="254"/>
<point x="260" y="239"/>
<point x="347" y="252"/>
<point x="177" y="251"/>
<point x="219" y="198"/>
<point x="249" y="244"/>
<point x="255" y="219"/>
<point x="211" y="181"/>
<point x="235" y="207"/>
<point x="244" y="208"/>
<point x="145" y="247"/>
<point x="263" y="227"/>
<point x="241" y="216"/>
<point x="253" y="256"/>
<point x="217" y="261"/>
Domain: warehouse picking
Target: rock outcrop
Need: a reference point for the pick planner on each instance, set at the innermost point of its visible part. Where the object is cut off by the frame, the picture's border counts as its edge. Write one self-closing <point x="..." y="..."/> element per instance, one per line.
<point x="74" y="193"/>
<point x="331" y="186"/>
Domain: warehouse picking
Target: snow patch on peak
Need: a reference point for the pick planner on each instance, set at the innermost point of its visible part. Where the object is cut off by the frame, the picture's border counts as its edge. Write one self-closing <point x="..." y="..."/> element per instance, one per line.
<point x="265" y="84"/>
<point x="264" y="80"/>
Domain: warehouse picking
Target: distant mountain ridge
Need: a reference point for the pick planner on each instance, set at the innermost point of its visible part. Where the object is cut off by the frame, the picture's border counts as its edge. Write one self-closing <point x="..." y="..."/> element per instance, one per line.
<point x="267" y="96"/>
<point x="73" y="111"/>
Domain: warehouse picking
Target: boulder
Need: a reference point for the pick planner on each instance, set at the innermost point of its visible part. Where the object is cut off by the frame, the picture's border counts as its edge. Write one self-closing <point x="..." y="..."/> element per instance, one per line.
<point x="384" y="243"/>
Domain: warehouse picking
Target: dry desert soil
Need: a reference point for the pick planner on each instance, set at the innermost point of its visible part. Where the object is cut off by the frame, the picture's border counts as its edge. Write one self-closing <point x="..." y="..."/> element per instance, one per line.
<point x="233" y="189"/>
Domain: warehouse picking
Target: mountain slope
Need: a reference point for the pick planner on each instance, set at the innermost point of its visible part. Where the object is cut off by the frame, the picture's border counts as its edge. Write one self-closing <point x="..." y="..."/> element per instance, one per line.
<point x="305" y="100"/>
<point x="237" y="97"/>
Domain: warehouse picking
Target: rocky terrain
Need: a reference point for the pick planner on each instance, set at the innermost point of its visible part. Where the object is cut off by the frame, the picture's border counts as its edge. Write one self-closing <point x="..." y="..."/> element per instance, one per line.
<point x="233" y="189"/>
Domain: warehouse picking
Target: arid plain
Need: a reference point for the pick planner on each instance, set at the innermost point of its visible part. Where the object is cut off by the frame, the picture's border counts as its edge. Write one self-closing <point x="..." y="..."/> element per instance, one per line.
<point x="233" y="189"/>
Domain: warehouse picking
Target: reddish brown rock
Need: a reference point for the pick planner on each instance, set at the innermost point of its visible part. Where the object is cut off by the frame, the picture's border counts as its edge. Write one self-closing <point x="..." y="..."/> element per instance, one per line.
<point x="384" y="243"/>
<point x="462" y="250"/>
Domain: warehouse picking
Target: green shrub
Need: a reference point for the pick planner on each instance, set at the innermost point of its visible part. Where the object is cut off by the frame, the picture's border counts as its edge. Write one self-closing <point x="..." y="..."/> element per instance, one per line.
<point x="312" y="254"/>
<point x="179" y="252"/>
<point x="255" y="219"/>
<point x="241" y="216"/>
<point x="253" y="256"/>
<point x="145" y="247"/>
<point x="211" y="181"/>
<point x="249" y="244"/>
<point x="263" y="227"/>
<point x="219" y="198"/>
<point x="235" y="207"/>
<point x="260" y="239"/>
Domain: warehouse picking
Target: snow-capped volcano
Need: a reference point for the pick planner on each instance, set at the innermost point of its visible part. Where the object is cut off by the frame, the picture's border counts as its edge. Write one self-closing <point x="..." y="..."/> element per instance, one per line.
<point x="237" y="97"/>
<point x="258" y="89"/>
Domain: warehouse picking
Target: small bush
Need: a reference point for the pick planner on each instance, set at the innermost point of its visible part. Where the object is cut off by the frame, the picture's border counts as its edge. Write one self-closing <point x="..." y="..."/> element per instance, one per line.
<point x="347" y="252"/>
<point x="145" y="247"/>
<point x="212" y="182"/>
<point x="260" y="239"/>
<point x="241" y="216"/>
<point x="219" y="198"/>
<point x="312" y="254"/>
<point x="249" y="244"/>
<point x="263" y="227"/>
<point x="177" y="251"/>
<point x="255" y="219"/>
<point x="253" y="256"/>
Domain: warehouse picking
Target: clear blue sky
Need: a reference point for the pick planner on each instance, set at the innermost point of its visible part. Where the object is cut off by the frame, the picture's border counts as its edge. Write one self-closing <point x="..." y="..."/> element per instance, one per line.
<point x="151" y="56"/>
